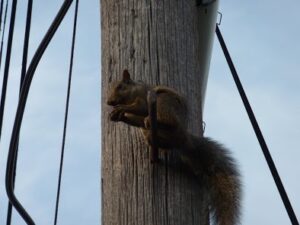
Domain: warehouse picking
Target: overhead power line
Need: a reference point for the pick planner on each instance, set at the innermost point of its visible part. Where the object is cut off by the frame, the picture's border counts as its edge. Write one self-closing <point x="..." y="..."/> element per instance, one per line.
<point x="66" y="112"/>
<point x="259" y="135"/>
<point x="23" y="71"/>
<point x="20" y="111"/>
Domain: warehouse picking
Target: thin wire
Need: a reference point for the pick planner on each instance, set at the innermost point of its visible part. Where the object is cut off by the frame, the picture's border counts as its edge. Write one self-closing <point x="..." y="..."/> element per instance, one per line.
<point x="1" y="11"/>
<point x="3" y="33"/>
<point x="258" y="132"/>
<point x="66" y="113"/>
<point x="23" y="72"/>
<point x="21" y="107"/>
<point x="26" y="43"/>
<point x="7" y="61"/>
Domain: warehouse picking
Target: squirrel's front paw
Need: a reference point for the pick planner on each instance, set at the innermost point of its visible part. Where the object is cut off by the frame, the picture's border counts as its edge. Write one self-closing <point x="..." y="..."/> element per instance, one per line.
<point x="117" y="115"/>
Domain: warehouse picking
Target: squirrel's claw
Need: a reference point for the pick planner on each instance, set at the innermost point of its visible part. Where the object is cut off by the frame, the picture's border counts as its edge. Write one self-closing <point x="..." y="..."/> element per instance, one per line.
<point x="117" y="114"/>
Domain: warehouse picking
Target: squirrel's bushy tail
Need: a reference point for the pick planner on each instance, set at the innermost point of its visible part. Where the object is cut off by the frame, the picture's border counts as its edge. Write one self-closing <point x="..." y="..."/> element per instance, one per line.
<point x="225" y="199"/>
<point x="218" y="172"/>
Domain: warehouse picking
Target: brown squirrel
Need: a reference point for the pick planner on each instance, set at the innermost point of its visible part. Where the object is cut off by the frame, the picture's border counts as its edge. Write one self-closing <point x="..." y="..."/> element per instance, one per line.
<point x="208" y="160"/>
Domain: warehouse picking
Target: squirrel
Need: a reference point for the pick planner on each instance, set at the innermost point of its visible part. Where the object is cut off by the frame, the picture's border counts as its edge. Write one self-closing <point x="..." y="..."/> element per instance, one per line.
<point x="210" y="162"/>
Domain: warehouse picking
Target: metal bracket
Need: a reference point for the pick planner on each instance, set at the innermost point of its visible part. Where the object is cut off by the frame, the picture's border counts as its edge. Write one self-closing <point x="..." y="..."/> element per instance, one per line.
<point x="220" y="18"/>
<point x="152" y="112"/>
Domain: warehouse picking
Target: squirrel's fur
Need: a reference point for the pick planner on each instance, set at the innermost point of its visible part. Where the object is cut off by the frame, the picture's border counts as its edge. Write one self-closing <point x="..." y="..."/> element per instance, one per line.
<point x="208" y="160"/>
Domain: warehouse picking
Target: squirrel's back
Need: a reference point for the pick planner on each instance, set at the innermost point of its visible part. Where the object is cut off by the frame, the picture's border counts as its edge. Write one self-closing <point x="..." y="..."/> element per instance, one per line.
<point x="171" y="106"/>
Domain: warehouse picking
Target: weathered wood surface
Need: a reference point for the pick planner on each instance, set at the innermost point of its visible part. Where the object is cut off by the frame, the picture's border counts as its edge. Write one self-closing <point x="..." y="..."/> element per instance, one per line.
<point x="159" y="42"/>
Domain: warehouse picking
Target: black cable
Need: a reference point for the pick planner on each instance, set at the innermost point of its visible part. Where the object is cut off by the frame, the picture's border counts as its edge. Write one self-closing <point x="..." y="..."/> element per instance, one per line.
<point x="3" y="33"/>
<point x="258" y="132"/>
<point x="7" y="61"/>
<point x="21" y="107"/>
<point x="1" y="12"/>
<point x="66" y="112"/>
<point x="26" y="42"/>
<point x="23" y="71"/>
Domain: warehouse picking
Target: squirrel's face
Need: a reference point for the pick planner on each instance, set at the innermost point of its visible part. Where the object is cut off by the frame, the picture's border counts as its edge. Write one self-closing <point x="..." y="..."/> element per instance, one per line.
<point x="121" y="92"/>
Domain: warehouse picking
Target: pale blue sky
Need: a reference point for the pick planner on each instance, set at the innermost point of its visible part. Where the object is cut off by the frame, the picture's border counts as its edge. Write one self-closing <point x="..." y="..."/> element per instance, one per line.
<point x="262" y="37"/>
<point x="41" y="132"/>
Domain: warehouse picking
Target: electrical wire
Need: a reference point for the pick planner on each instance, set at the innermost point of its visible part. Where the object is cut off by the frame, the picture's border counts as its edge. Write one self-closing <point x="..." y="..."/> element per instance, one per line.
<point x="1" y="12"/>
<point x="23" y="72"/>
<point x="3" y="33"/>
<point x="7" y="61"/>
<point x="258" y="132"/>
<point x="21" y="107"/>
<point x="66" y="112"/>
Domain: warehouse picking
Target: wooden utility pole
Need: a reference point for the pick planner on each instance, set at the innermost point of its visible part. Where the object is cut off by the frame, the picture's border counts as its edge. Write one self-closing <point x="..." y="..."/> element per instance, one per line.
<point x="165" y="42"/>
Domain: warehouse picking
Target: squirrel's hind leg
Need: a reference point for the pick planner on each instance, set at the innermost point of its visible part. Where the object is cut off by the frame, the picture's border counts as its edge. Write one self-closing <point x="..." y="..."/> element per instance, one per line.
<point x="166" y="138"/>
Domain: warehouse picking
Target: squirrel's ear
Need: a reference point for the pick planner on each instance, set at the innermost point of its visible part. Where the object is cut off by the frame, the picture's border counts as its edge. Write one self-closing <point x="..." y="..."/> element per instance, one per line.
<point x="126" y="75"/>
